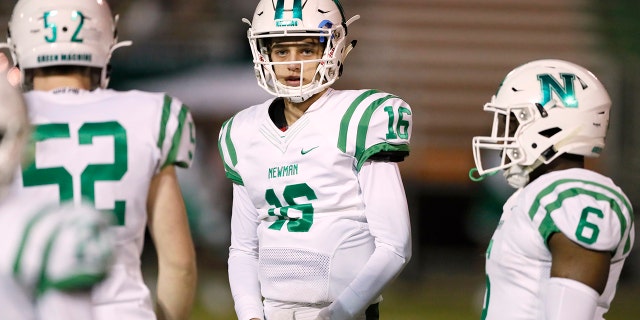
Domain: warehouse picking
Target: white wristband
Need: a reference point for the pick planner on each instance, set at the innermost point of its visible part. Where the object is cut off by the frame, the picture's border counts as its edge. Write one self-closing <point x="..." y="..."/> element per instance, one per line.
<point x="569" y="299"/>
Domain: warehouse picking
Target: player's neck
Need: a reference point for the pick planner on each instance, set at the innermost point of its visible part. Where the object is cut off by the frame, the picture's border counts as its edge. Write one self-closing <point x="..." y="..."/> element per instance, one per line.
<point x="293" y="111"/>
<point x="564" y="162"/>
<point x="52" y="82"/>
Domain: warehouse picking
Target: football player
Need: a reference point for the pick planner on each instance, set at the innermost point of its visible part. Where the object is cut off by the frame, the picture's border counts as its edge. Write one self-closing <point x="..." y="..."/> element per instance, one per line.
<point x="116" y="150"/>
<point x="564" y="235"/>
<point x="50" y="255"/>
<point x="320" y="223"/>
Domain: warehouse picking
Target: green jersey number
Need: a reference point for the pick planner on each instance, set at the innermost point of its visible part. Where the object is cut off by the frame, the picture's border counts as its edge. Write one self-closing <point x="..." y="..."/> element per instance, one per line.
<point x="401" y="128"/>
<point x="588" y="232"/>
<point x="33" y="176"/>
<point x="290" y="193"/>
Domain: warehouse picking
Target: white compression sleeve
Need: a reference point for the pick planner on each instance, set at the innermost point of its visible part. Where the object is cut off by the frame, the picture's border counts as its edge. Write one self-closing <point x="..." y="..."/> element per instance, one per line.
<point x="243" y="257"/>
<point x="388" y="219"/>
<point x="569" y="299"/>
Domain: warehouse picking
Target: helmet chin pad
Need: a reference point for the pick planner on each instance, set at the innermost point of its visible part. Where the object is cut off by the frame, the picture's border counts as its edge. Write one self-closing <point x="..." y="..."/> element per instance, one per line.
<point x="517" y="176"/>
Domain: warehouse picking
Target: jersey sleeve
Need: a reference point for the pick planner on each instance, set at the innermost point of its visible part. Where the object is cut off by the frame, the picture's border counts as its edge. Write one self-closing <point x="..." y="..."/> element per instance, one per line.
<point x="65" y="248"/>
<point x="177" y="136"/>
<point x="376" y="126"/>
<point x="592" y="215"/>
<point x="228" y="153"/>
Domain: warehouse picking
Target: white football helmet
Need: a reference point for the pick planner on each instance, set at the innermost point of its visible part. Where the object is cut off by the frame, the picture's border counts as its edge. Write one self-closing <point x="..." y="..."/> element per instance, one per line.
<point x="299" y="18"/>
<point x="63" y="32"/>
<point x="543" y="109"/>
<point x="14" y="132"/>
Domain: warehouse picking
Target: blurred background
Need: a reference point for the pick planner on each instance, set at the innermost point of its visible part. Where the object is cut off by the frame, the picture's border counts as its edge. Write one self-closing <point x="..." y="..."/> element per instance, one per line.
<point x="445" y="58"/>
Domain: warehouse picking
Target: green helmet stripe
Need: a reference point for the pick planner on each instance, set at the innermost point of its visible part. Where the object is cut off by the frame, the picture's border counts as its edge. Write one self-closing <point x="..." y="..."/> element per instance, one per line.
<point x="279" y="10"/>
<point x="339" y="5"/>
<point x="297" y="9"/>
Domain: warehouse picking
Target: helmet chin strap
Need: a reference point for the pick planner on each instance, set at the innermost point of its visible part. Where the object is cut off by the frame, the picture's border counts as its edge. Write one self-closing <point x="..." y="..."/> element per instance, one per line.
<point x="297" y="99"/>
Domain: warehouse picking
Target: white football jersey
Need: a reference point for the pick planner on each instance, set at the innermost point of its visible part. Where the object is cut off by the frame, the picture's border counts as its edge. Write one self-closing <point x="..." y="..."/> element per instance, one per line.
<point x="586" y="207"/>
<point x="304" y="185"/>
<point x="45" y="248"/>
<point x="104" y="147"/>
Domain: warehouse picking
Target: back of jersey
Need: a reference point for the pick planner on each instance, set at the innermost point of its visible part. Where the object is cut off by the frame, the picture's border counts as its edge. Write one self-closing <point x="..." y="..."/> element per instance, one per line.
<point x="45" y="251"/>
<point x="105" y="147"/>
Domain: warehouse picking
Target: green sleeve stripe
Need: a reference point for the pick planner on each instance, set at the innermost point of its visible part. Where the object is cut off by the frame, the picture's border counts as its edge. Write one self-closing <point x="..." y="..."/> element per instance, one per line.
<point x="378" y="148"/>
<point x="553" y="186"/>
<point x="233" y="176"/>
<point x="346" y="119"/>
<point x="43" y="282"/>
<point x="547" y="226"/>
<point x="177" y="136"/>
<point x="363" y="125"/>
<point x="226" y="144"/>
<point x="166" y="111"/>
<point x="26" y="234"/>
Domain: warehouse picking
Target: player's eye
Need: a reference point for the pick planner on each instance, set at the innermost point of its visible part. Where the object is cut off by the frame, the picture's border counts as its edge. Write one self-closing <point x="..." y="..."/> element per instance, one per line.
<point x="280" y="52"/>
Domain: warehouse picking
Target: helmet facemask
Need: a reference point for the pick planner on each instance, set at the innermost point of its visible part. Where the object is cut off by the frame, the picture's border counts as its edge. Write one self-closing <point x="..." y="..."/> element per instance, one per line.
<point x="516" y="141"/>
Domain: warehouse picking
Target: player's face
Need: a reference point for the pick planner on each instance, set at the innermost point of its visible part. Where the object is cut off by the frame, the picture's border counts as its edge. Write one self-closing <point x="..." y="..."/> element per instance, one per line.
<point x="295" y="51"/>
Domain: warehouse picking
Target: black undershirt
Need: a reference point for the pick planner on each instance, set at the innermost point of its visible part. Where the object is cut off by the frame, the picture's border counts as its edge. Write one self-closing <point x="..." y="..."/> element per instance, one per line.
<point x="276" y="113"/>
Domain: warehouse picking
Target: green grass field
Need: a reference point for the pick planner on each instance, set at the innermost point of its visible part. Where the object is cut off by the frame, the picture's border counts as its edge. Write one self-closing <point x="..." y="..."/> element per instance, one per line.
<point x="440" y="296"/>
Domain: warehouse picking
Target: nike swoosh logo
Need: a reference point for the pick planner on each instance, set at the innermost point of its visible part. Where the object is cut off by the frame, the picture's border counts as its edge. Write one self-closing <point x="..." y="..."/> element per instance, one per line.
<point x="303" y="151"/>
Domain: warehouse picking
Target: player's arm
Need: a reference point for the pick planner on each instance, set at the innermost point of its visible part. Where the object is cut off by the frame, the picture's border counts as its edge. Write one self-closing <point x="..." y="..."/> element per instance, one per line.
<point x="169" y="228"/>
<point x="388" y="218"/>
<point x="578" y="277"/>
<point x="243" y="257"/>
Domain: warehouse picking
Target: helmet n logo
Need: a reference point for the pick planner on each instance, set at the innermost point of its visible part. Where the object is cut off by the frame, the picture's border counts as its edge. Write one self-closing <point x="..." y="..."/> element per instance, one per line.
<point x="566" y="93"/>
<point x="281" y="21"/>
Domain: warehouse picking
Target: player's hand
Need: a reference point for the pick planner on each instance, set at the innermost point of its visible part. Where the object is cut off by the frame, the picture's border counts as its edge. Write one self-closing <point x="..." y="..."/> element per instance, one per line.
<point x="13" y="73"/>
